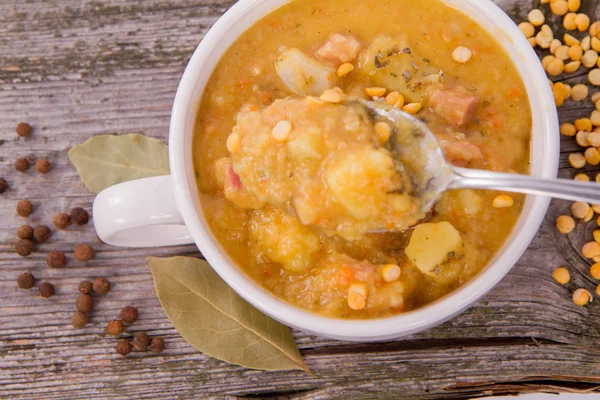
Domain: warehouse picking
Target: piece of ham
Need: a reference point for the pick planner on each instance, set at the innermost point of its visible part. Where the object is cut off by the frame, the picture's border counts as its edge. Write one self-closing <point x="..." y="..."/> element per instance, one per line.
<point x="235" y="191"/>
<point x="457" y="148"/>
<point x="339" y="49"/>
<point x="456" y="105"/>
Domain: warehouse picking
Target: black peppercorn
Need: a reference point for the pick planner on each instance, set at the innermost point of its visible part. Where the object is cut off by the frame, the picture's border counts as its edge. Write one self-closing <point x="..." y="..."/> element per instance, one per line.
<point x="25" y="281"/>
<point x="114" y="327"/>
<point x="84" y="303"/>
<point x="46" y="289"/>
<point x="62" y="220"/>
<point x="43" y="166"/>
<point x="101" y="286"/>
<point x="23" y="129"/>
<point x="85" y="287"/>
<point x="56" y="259"/>
<point x="21" y="164"/>
<point x="141" y="341"/>
<point x="24" y="247"/>
<point x="41" y="233"/>
<point x="24" y="208"/>
<point x="129" y="314"/>
<point x="79" y="216"/>
<point x="79" y="319"/>
<point x="25" y="232"/>
<point x="157" y="345"/>
<point x="123" y="347"/>
<point x="83" y="252"/>
<point x="3" y="185"/>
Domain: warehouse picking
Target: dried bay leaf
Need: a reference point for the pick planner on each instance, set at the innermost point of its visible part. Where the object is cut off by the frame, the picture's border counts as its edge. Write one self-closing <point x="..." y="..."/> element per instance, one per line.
<point x="218" y="322"/>
<point x="106" y="160"/>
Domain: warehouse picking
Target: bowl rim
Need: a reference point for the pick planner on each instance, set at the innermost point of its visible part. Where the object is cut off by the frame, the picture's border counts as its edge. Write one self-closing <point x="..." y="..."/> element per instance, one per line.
<point x="545" y="157"/>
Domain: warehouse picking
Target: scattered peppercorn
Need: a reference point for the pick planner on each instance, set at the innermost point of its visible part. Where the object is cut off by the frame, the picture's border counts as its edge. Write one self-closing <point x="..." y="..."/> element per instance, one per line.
<point x="129" y="314"/>
<point x="25" y="232"/>
<point x="141" y="341"/>
<point x="24" y="208"/>
<point x="157" y="345"/>
<point x="46" y="289"/>
<point x="123" y="347"/>
<point x="114" y="327"/>
<point x="21" y="164"/>
<point x="101" y="286"/>
<point x="56" y="259"/>
<point x="79" y="319"/>
<point x="25" y="281"/>
<point x="62" y="220"/>
<point x="83" y="252"/>
<point x="43" y="166"/>
<point x="79" y="216"/>
<point x="84" y="303"/>
<point x="23" y="129"/>
<point x="3" y="185"/>
<point x="85" y="287"/>
<point x="41" y="233"/>
<point x="24" y="247"/>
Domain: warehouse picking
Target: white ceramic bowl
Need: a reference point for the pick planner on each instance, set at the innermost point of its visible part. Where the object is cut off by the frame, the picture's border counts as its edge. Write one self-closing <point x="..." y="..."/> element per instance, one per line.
<point x="544" y="163"/>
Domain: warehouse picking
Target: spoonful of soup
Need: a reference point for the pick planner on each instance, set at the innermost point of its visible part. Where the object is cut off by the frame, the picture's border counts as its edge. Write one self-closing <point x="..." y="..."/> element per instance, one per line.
<point x="419" y="156"/>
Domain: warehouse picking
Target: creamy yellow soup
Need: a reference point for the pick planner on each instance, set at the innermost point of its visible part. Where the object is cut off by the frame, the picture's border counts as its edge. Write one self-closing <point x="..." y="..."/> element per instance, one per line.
<point x="294" y="179"/>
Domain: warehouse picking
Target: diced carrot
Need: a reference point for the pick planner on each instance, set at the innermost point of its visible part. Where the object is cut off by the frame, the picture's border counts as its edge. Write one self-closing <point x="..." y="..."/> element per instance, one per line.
<point x="345" y="276"/>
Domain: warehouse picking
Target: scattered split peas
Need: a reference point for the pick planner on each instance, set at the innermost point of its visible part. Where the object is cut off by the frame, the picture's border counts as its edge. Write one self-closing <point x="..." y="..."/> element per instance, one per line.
<point x="536" y="17"/>
<point x="559" y="7"/>
<point x="581" y="297"/>
<point x="579" y="92"/>
<point x="574" y="5"/>
<point x="581" y="178"/>
<point x="579" y="209"/>
<point x="527" y="29"/>
<point x="577" y="160"/>
<point x="561" y="275"/>
<point x="565" y="224"/>
<point x="592" y="156"/>
<point x="591" y="249"/>
<point x="502" y="201"/>
<point x="568" y="129"/>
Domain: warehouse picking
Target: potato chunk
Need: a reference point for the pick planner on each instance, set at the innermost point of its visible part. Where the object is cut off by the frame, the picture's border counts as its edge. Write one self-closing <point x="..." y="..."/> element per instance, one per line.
<point x="431" y="244"/>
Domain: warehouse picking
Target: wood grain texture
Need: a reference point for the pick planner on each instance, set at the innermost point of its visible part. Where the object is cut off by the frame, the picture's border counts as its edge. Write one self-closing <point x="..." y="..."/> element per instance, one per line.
<point x="74" y="69"/>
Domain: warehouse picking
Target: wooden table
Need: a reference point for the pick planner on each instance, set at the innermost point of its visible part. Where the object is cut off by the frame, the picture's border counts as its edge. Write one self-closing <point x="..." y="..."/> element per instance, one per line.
<point x="74" y="69"/>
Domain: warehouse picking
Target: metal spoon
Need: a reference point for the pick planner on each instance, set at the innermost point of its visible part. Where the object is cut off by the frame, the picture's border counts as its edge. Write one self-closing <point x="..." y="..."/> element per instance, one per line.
<point x="419" y="154"/>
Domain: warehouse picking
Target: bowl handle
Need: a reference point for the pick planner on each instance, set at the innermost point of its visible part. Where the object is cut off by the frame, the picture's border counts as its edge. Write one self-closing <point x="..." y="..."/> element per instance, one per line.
<point x="140" y="213"/>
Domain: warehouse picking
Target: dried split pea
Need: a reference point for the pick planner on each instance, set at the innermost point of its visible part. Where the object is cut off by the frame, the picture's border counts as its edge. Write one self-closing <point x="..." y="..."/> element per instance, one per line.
<point x="596" y="208"/>
<point x="574" y="5"/>
<point x="594" y="77"/>
<point x="412" y="108"/>
<point x="591" y="250"/>
<point x="589" y="58"/>
<point x="233" y="143"/>
<point x="332" y="95"/>
<point x="345" y="69"/>
<point x="586" y="43"/>
<point x="575" y="52"/>
<point x="594" y="139"/>
<point x="570" y="40"/>
<point x="595" y="43"/>
<point x="562" y="52"/>
<point x="595" y="97"/>
<point x="595" y="118"/>
<point x="547" y="60"/>
<point x="357" y="296"/>
<point x="281" y="131"/>
<point x="568" y="129"/>
<point x="556" y="67"/>
<point x="583" y="22"/>
<point x="597" y="239"/>
<point x="577" y="160"/>
<point x="536" y="17"/>
<point x="561" y="275"/>
<point x="565" y="224"/>
<point x="582" y="138"/>
<point x="395" y="99"/>
<point x="579" y="209"/>
<point x="527" y="29"/>
<point x="382" y="130"/>
<point x="502" y="201"/>
<point x="589" y="217"/>
<point x="569" y="21"/>
<point x="391" y="273"/>
<point x="583" y="124"/>
<point x="559" y="7"/>
<point x="544" y="37"/>
<point x="375" y="91"/>
<point x="572" y="66"/>
<point x="581" y="178"/>
<point x="463" y="54"/>
<point x="554" y="45"/>
<point x="595" y="29"/>
<point x="532" y="41"/>
<point x="579" y="92"/>
<point x="592" y="156"/>
<point x="581" y="297"/>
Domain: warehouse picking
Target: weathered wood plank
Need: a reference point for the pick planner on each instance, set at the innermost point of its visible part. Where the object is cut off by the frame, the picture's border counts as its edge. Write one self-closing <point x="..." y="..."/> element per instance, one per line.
<point x="74" y="69"/>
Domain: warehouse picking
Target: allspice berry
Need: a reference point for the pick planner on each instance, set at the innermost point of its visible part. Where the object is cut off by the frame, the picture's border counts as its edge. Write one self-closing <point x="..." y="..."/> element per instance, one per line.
<point x="3" y="185"/>
<point x="41" y="233"/>
<point x="25" y="281"/>
<point x="101" y="286"/>
<point x="62" y="220"/>
<point x="129" y="314"/>
<point x="79" y="216"/>
<point x="83" y="252"/>
<point x="114" y="327"/>
<point x="23" y="129"/>
<point x="157" y="345"/>
<point x="24" y="247"/>
<point x="24" y="208"/>
<point x="56" y="259"/>
<point x="46" y="289"/>
<point x="25" y="232"/>
<point x="21" y="164"/>
<point x="123" y="347"/>
<point x="141" y="341"/>
<point x="43" y="166"/>
<point x="79" y="319"/>
<point x="84" y="303"/>
<point x="85" y="287"/>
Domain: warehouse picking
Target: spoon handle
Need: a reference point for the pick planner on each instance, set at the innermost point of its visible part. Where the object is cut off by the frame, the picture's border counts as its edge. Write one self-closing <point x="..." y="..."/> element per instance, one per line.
<point x="558" y="188"/>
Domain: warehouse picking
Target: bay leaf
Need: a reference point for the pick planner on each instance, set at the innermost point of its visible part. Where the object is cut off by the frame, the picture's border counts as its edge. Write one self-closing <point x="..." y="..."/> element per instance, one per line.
<point x="106" y="160"/>
<point x="217" y="321"/>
